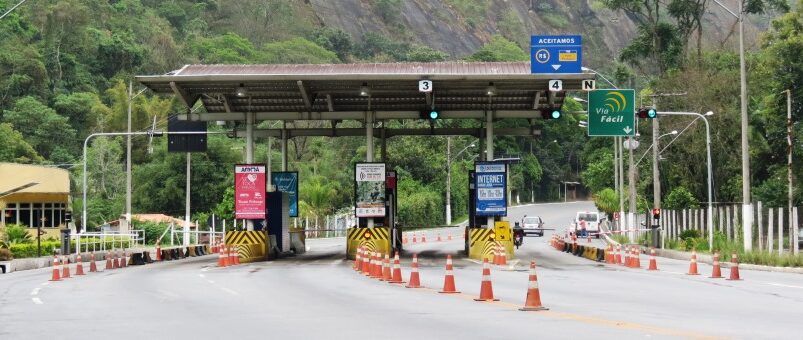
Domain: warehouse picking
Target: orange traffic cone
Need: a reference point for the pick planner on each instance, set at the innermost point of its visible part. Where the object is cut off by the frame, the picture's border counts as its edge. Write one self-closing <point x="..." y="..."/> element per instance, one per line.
<point x="124" y="259"/>
<point x="636" y="257"/>
<point x="79" y="268"/>
<point x="495" y="251"/>
<point x="486" y="288"/>
<point x="116" y="261"/>
<point x="628" y="262"/>
<point x="356" y="265"/>
<point x="109" y="264"/>
<point x="236" y="254"/>
<point x="92" y="266"/>
<point x="159" y="251"/>
<point x="423" y="238"/>
<point x="364" y="266"/>
<point x="377" y="271"/>
<point x="439" y="238"/>
<point x="55" y="276"/>
<point x="589" y="237"/>
<point x="693" y="264"/>
<point x="533" y="301"/>
<point x="503" y="257"/>
<point x="449" y="238"/>
<point x="448" y="279"/>
<point x="227" y="256"/>
<point x="397" y="274"/>
<point x="716" y="272"/>
<point x="734" y="268"/>
<point x="386" y="275"/>
<point x="415" y="281"/>
<point x="618" y="256"/>
<point x="404" y="241"/>
<point x="65" y="264"/>
<point x="653" y="264"/>
<point x="221" y="257"/>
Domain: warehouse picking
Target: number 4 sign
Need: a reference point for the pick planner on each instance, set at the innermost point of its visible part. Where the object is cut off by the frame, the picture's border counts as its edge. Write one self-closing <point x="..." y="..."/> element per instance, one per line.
<point x="556" y="85"/>
<point x="425" y="86"/>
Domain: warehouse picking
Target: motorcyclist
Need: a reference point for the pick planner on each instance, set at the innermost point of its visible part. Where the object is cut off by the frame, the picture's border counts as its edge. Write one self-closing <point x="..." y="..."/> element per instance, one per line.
<point x="518" y="235"/>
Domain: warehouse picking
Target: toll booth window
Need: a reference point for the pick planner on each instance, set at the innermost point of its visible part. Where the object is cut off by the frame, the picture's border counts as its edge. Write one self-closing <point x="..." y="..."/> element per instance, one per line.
<point x="11" y="214"/>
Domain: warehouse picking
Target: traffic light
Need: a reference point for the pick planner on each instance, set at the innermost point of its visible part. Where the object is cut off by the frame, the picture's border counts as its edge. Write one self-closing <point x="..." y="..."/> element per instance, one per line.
<point x="431" y="114"/>
<point x="647" y="113"/>
<point x="656" y="213"/>
<point x="550" y="113"/>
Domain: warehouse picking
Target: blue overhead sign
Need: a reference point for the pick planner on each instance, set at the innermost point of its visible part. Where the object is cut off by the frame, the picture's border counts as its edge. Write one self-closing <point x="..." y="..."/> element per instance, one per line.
<point x="556" y="54"/>
<point x="287" y="182"/>
<point x="490" y="192"/>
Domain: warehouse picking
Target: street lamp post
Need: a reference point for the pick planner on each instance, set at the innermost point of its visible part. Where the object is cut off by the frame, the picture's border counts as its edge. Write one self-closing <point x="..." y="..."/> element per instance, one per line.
<point x="710" y="214"/>
<point x="747" y="206"/>
<point x="449" y="176"/>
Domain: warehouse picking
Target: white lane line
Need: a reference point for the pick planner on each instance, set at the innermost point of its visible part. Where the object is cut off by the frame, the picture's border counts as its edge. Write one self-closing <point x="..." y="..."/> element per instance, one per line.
<point x="35" y="291"/>
<point x="204" y="269"/>
<point x="201" y="275"/>
<point x="210" y="281"/>
<point x="336" y="262"/>
<point x="45" y="283"/>
<point x="229" y="291"/>
<point x="37" y="301"/>
<point x="783" y="285"/>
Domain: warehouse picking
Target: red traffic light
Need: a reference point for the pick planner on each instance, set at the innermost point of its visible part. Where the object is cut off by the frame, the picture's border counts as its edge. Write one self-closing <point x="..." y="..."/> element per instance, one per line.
<point x="656" y="213"/>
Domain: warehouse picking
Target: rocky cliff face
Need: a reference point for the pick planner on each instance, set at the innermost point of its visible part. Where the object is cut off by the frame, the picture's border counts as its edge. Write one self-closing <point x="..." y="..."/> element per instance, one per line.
<point x="460" y="27"/>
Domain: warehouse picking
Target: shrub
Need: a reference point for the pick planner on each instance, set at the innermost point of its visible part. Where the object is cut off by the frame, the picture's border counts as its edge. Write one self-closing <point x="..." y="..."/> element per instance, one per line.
<point x="680" y="198"/>
<point x="690" y="233"/>
<point x="16" y="233"/>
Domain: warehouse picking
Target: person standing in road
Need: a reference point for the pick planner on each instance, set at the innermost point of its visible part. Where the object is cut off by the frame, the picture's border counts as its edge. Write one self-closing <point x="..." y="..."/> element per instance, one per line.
<point x="583" y="231"/>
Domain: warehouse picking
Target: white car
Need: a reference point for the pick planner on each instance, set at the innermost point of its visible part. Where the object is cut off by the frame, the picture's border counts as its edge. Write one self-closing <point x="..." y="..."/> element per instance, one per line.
<point x="592" y="220"/>
<point x="532" y="225"/>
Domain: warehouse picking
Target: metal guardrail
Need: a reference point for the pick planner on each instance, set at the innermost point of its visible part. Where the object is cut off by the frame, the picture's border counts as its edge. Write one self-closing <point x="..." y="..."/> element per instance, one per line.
<point x="98" y="241"/>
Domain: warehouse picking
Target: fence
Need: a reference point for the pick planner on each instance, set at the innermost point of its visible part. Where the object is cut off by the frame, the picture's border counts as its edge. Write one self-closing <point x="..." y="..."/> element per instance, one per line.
<point x="100" y="241"/>
<point x="774" y="228"/>
<point x="333" y="226"/>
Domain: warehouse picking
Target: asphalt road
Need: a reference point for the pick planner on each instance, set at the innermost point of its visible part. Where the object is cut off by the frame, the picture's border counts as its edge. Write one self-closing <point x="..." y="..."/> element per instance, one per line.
<point x="319" y="296"/>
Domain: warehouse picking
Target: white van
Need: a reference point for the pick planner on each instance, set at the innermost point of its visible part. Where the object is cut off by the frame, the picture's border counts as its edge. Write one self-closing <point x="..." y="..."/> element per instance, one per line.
<point x="592" y="220"/>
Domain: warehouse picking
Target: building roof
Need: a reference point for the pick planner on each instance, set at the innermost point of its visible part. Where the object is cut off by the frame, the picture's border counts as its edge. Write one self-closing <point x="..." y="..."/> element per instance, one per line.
<point x="26" y="178"/>
<point x="335" y="88"/>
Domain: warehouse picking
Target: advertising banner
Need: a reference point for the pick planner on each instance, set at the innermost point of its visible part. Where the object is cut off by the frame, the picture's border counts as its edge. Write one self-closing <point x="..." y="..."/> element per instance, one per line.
<point x="491" y="189"/>
<point x="286" y="181"/>
<point x="370" y="189"/>
<point x="249" y="191"/>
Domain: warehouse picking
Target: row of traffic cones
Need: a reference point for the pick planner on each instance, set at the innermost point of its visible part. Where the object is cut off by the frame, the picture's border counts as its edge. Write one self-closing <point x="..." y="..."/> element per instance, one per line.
<point x="370" y="263"/>
<point x="407" y="239"/>
<point x="228" y="255"/>
<point x="61" y="268"/>
<point x="716" y="272"/>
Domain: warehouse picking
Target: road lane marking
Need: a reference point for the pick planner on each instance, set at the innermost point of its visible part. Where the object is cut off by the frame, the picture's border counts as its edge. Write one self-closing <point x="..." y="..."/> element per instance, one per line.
<point x="230" y="291"/>
<point x="37" y="301"/>
<point x="45" y="283"/>
<point x="35" y="291"/>
<point x="201" y="275"/>
<point x="210" y="281"/>
<point x="783" y="285"/>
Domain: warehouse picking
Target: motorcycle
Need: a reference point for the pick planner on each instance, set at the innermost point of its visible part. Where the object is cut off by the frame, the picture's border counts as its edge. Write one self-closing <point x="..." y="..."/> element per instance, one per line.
<point x="518" y="235"/>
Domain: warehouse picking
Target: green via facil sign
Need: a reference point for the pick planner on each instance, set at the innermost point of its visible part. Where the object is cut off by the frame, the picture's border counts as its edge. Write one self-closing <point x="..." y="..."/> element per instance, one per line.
<point x="612" y="113"/>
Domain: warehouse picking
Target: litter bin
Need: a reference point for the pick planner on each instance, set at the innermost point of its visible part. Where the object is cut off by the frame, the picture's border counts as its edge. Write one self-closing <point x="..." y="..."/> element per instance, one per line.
<point x="65" y="241"/>
<point x="656" y="236"/>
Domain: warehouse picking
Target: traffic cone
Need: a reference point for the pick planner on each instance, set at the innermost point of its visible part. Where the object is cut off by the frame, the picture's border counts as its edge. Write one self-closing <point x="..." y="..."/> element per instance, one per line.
<point x="376" y="272"/>
<point x="653" y="264"/>
<point x="92" y="266"/>
<point x="79" y="268"/>
<point x="423" y="237"/>
<point x="109" y="264"/>
<point x="159" y="251"/>
<point x="227" y="256"/>
<point x="116" y="260"/>
<point x="397" y="274"/>
<point x="236" y="254"/>
<point x="503" y="257"/>
<point x="636" y="257"/>
<point x="618" y="256"/>
<point x="627" y="257"/>
<point x="693" y="264"/>
<point x="221" y="257"/>
<point x="533" y="301"/>
<point x="448" y="279"/>
<point x="415" y="281"/>
<point x="124" y="259"/>
<point x="439" y="238"/>
<point x="495" y="251"/>
<point x="55" y="276"/>
<point x="356" y="265"/>
<point x="386" y="275"/>
<point x="414" y="238"/>
<point x="365" y="264"/>
<point x="65" y="264"/>
<point x="404" y="241"/>
<point x="589" y="236"/>
<point x="734" y="268"/>
<point x="716" y="272"/>
<point x="486" y="288"/>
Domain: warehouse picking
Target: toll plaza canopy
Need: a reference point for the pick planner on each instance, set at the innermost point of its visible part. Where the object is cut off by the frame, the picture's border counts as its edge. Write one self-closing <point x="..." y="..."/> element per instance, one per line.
<point x="348" y="91"/>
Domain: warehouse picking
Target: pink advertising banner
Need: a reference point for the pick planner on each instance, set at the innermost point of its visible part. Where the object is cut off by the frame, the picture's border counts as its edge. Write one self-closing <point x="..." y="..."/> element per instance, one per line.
<point x="249" y="191"/>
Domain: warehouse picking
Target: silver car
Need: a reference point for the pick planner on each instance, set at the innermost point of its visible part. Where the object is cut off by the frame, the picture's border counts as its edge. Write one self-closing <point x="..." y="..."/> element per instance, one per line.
<point x="532" y="225"/>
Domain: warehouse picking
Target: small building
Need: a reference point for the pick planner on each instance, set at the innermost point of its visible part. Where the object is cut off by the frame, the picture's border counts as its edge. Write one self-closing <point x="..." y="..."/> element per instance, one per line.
<point x="34" y="195"/>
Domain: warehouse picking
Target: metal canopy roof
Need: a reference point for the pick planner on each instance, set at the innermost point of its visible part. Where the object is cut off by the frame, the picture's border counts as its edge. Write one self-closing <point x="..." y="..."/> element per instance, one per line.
<point x="332" y="91"/>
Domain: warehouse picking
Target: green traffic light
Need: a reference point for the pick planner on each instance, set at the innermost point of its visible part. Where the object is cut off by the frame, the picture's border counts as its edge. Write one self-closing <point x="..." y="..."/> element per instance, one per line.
<point x="433" y="115"/>
<point x="652" y="113"/>
<point x="555" y="114"/>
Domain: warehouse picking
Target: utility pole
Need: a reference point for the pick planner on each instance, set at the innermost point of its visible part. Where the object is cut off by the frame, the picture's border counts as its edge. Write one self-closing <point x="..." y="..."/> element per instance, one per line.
<point x="616" y="164"/>
<point x="632" y="144"/>
<point x="128" y="160"/>
<point x="793" y="232"/>
<point x="448" y="180"/>
<point x="747" y="206"/>
<point x="622" y="217"/>
<point x="656" y="177"/>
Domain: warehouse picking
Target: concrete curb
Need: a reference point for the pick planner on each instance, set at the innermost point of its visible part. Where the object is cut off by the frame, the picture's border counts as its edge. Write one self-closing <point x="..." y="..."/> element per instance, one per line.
<point x="706" y="258"/>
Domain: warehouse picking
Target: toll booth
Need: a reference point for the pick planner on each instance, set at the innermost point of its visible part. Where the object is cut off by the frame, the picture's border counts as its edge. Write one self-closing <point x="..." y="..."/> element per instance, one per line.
<point x="385" y="236"/>
<point x="482" y="240"/>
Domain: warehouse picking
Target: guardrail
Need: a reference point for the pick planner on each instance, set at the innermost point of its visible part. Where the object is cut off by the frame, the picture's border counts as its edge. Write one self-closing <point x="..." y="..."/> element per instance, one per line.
<point x="98" y="241"/>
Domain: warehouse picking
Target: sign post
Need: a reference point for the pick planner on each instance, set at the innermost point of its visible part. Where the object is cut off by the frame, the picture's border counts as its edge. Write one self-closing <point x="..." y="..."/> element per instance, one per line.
<point x="369" y="189"/>
<point x="249" y="191"/>
<point x="490" y="192"/>
<point x="556" y="54"/>
<point x="611" y="113"/>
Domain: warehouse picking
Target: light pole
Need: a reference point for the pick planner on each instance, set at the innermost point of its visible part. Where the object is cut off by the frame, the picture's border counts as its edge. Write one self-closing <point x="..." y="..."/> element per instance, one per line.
<point x="710" y="214"/>
<point x="794" y="237"/>
<point x="128" y="189"/>
<point x="449" y="176"/>
<point x="747" y="206"/>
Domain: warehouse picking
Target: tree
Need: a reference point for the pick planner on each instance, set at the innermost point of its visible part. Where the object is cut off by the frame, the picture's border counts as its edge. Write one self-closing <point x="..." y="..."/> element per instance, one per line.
<point x="14" y="147"/>
<point x="607" y="201"/>
<point x="40" y="126"/>
<point x="296" y="51"/>
<point x="680" y="198"/>
<point x="335" y="40"/>
<point x="315" y="196"/>
<point x="499" y="49"/>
